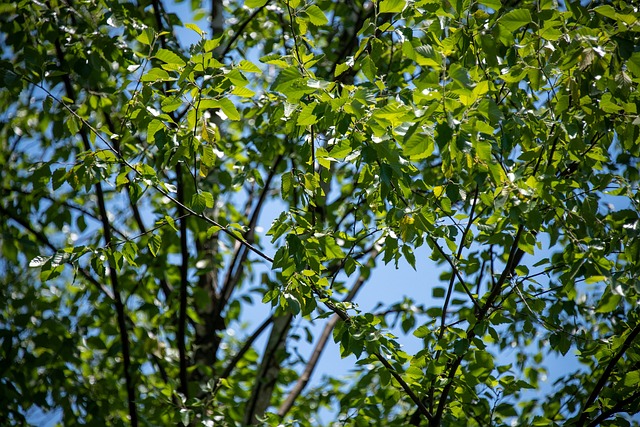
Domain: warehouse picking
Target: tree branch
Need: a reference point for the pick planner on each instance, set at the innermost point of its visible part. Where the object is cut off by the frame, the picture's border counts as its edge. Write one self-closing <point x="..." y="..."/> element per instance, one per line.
<point x="606" y="374"/>
<point x="267" y="375"/>
<point x="346" y="318"/>
<point x="236" y="267"/>
<point x="166" y="288"/>
<point x="515" y="255"/>
<point x="184" y="284"/>
<point x="241" y="28"/>
<point x="247" y="345"/>
<point x="455" y="267"/>
<point x="618" y="407"/>
<point x="321" y="344"/>
<point x="119" y="306"/>
<point x="44" y="240"/>
<point x="156" y="187"/>
<point x="456" y="274"/>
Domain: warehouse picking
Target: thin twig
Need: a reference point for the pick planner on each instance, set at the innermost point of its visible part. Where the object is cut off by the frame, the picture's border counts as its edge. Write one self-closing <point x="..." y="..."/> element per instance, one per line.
<point x="456" y="272"/>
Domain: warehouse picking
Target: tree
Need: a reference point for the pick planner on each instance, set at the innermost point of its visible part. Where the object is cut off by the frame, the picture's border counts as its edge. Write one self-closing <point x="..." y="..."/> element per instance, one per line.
<point x="501" y="137"/>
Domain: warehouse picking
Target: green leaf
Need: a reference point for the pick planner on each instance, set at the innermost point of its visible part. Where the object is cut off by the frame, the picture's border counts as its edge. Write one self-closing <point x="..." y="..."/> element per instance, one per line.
<point x="426" y="55"/>
<point x="369" y="69"/>
<point x="169" y="57"/>
<point x="422" y="332"/>
<point x="201" y="201"/>
<point x="608" y="303"/>
<point x="171" y="104"/>
<point x="318" y="84"/>
<point x="417" y="145"/>
<point x="185" y="416"/>
<point x="154" y="244"/>
<point x="39" y="261"/>
<point x="409" y="256"/>
<point x="210" y="45"/>
<point x="292" y="303"/>
<point x="460" y="347"/>
<point x="72" y="125"/>
<point x="316" y="16"/>
<point x="392" y="6"/>
<point x="559" y="341"/>
<point x="633" y="63"/>
<point x="130" y="251"/>
<point x="156" y="74"/>
<point x="515" y="19"/>
<point x="483" y="150"/>
<point x="255" y="3"/>
<point x="492" y="4"/>
<point x="606" y="10"/>
<point x="306" y="116"/>
<point x="146" y="37"/>
<point x="632" y="379"/>
<point x="340" y="68"/>
<point x="229" y="109"/>
<point x="286" y="181"/>
<point x="208" y="156"/>
<point x="249" y="67"/>
<point x="195" y="28"/>
<point x="438" y="292"/>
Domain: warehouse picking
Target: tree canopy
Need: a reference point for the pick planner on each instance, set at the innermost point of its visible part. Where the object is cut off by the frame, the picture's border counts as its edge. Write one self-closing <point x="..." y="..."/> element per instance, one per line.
<point x="501" y="139"/>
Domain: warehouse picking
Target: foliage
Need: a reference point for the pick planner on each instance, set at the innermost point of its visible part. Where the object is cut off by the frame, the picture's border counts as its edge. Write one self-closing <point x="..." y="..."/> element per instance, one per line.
<point x="501" y="137"/>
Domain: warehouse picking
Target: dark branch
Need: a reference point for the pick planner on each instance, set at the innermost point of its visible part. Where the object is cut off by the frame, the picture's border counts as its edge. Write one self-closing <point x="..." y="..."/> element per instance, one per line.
<point x="606" y="374"/>
<point x="106" y="229"/>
